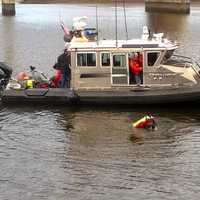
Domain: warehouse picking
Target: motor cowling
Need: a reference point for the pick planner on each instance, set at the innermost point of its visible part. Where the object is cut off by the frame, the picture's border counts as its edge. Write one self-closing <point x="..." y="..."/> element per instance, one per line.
<point x="5" y="74"/>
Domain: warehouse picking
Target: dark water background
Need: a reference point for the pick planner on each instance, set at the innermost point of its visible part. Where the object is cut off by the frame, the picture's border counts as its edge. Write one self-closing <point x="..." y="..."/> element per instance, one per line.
<point x="93" y="153"/>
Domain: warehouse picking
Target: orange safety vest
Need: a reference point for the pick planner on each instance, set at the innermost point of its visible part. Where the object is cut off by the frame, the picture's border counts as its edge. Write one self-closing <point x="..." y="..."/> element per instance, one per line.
<point x="134" y="66"/>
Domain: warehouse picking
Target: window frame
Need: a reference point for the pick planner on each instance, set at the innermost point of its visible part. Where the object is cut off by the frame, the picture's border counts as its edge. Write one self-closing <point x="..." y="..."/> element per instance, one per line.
<point x="154" y="65"/>
<point x="105" y="52"/>
<point x="122" y="54"/>
<point x="125" y="67"/>
<point x="88" y="52"/>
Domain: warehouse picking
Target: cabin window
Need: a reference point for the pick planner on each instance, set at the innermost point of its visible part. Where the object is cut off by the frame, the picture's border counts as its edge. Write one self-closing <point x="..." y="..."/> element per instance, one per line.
<point x="119" y="61"/>
<point x="86" y="59"/>
<point x="152" y="58"/>
<point x="105" y="59"/>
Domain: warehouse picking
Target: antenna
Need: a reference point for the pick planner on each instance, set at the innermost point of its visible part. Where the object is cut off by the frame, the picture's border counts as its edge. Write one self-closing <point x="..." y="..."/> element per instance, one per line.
<point x="116" y="23"/>
<point x="124" y="6"/>
<point x="97" y="25"/>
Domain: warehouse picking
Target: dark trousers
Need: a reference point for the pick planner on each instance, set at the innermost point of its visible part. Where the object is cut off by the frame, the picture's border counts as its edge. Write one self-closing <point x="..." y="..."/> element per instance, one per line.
<point x="138" y="79"/>
<point x="65" y="81"/>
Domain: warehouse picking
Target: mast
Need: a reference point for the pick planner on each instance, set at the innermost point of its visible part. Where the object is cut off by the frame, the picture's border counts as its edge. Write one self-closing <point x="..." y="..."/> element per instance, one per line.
<point x="116" y="35"/>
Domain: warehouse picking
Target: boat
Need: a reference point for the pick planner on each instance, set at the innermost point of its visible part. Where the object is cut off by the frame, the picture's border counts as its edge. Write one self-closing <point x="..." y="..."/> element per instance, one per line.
<point x="100" y="73"/>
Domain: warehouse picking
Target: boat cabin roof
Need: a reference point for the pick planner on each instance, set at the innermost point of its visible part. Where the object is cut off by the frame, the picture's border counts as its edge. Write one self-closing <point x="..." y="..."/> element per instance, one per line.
<point x="127" y="44"/>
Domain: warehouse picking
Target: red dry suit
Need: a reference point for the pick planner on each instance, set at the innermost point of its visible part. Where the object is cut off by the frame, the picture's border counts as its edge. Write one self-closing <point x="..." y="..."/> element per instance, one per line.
<point x="145" y="122"/>
<point x="134" y="66"/>
<point x="57" y="78"/>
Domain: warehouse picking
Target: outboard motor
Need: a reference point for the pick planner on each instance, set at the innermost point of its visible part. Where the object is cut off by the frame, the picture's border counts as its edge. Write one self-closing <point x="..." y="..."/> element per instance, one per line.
<point x="5" y="75"/>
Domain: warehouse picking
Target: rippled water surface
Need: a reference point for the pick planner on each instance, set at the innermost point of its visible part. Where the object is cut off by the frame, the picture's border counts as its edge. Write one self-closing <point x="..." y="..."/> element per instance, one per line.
<point x="94" y="153"/>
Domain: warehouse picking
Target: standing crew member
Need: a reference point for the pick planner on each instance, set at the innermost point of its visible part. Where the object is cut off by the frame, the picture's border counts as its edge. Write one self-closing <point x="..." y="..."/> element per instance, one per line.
<point x="135" y="68"/>
<point x="64" y="63"/>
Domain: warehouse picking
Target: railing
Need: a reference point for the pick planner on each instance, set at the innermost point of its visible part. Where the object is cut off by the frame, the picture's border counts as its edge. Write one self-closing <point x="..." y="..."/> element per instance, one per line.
<point x="184" y="61"/>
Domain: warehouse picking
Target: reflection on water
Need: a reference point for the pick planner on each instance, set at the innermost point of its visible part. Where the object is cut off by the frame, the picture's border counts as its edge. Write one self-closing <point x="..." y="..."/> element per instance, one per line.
<point x="8" y="30"/>
<point x="90" y="153"/>
<point x="94" y="153"/>
<point x="174" y="25"/>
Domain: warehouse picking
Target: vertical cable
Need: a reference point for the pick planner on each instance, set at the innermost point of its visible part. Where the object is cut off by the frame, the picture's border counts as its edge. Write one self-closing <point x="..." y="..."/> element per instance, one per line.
<point x="125" y="22"/>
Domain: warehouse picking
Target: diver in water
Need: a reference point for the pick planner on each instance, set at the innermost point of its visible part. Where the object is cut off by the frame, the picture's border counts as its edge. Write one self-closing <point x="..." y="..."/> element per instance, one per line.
<point x="151" y="124"/>
<point x="146" y="122"/>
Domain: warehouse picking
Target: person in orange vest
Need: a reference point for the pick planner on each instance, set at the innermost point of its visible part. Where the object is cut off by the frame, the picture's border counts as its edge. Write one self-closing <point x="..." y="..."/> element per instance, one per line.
<point x="135" y="68"/>
<point x="146" y="122"/>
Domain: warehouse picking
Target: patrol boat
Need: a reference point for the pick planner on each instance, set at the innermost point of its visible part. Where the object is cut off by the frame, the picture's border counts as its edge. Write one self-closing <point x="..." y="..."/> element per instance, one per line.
<point x="100" y="74"/>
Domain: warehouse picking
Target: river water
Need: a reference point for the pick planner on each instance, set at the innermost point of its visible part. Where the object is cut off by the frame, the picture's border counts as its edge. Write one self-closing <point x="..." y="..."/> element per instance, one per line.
<point x="93" y="153"/>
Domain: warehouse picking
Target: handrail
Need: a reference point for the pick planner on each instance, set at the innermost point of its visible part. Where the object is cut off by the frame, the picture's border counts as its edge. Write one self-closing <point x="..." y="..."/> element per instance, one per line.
<point x="186" y="57"/>
<point x="187" y="60"/>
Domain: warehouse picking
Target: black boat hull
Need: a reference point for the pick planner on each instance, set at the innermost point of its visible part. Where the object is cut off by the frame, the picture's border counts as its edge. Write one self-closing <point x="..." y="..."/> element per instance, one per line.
<point x="110" y="97"/>
<point x="140" y="97"/>
<point x="53" y="96"/>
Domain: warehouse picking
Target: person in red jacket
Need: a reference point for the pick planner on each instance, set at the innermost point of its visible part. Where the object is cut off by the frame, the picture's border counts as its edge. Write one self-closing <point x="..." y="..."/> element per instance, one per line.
<point x="135" y="68"/>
